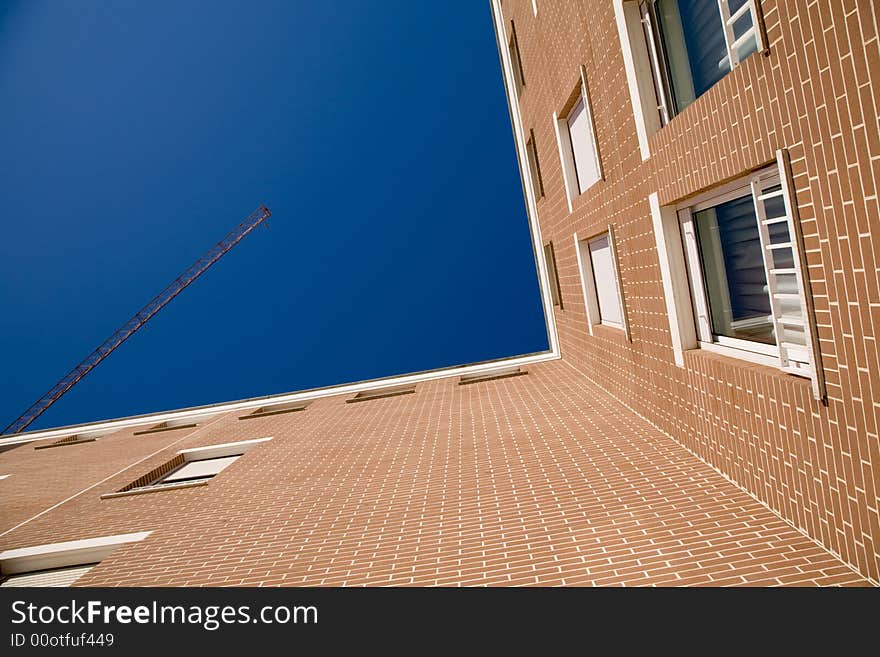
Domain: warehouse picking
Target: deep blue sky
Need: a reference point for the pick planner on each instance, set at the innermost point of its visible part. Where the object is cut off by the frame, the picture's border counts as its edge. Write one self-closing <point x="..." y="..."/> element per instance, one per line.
<point x="134" y="135"/>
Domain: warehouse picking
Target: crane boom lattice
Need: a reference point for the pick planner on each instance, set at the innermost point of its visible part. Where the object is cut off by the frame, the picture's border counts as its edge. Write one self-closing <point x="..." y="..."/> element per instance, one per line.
<point x="140" y="318"/>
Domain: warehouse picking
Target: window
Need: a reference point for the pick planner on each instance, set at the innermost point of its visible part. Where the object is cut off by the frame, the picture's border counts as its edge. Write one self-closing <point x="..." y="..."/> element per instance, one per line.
<point x="676" y="50"/>
<point x="576" y="138"/>
<point x="75" y="439"/>
<point x="170" y="425"/>
<point x="693" y="44"/>
<point x="381" y="393"/>
<point x="597" y="261"/>
<point x="491" y="375"/>
<point x="56" y="577"/>
<point x="534" y="166"/>
<point x="59" y="564"/>
<point x="743" y="257"/>
<point x="516" y="61"/>
<point x="190" y="467"/>
<point x="199" y="470"/>
<point x="277" y="409"/>
<point x="552" y="275"/>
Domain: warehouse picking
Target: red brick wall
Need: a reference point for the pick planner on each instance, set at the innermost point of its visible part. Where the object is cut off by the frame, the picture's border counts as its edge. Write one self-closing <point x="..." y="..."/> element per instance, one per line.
<point x="538" y="479"/>
<point x="816" y="94"/>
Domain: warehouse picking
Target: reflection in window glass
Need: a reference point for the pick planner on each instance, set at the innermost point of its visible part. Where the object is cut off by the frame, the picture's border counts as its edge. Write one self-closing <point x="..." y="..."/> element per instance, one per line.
<point x="696" y="54"/>
<point x="733" y="271"/>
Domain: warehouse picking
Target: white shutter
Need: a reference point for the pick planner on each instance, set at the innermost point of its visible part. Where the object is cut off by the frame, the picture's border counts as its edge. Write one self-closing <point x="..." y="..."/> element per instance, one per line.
<point x="200" y="469"/>
<point x="58" y="577"/>
<point x="581" y="145"/>
<point x="583" y="140"/>
<point x="785" y="265"/>
<point x="741" y="34"/>
<point x="605" y="279"/>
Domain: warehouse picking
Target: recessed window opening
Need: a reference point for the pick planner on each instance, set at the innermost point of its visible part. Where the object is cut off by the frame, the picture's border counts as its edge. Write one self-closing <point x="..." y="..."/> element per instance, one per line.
<point x="534" y="166"/>
<point x="491" y="375"/>
<point x="516" y="61"/>
<point x="199" y="470"/>
<point x="600" y="281"/>
<point x="75" y="439"/>
<point x="170" y="425"/>
<point x="276" y="409"/>
<point x="576" y="139"/>
<point x="553" y="275"/>
<point x="189" y="467"/>
<point x="381" y="393"/>
<point x="605" y="280"/>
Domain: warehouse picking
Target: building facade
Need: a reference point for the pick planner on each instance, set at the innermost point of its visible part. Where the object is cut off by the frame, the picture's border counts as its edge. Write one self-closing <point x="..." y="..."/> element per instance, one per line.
<point x="701" y="178"/>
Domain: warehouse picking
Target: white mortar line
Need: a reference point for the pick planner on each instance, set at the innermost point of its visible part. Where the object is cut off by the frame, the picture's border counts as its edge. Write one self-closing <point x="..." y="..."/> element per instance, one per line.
<point x="728" y="478"/>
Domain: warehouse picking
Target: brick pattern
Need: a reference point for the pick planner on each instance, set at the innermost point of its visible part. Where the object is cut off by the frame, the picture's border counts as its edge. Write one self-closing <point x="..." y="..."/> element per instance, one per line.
<point x="817" y="94"/>
<point x="609" y="467"/>
<point x="542" y="479"/>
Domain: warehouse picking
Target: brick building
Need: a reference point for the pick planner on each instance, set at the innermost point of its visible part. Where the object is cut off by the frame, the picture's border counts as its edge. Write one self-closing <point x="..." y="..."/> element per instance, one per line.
<point x="701" y="179"/>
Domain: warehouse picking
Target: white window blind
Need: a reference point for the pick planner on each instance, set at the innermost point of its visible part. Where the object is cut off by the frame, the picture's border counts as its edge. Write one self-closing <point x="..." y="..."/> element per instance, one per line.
<point x="580" y="128"/>
<point x="58" y="577"/>
<point x="200" y="469"/>
<point x="605" y="278"/>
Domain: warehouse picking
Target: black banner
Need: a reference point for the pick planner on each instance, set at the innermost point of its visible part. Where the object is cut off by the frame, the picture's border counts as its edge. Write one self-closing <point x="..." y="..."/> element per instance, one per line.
<point x="113" y="620"/>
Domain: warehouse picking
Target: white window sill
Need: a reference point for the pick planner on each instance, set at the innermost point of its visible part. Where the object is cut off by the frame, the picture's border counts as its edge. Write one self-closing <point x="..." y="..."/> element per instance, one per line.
<point x="741" y="354"/>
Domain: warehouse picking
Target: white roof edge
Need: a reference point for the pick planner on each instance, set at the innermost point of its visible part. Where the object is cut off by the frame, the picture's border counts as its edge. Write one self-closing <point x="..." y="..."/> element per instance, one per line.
<point x="256" y="402"/>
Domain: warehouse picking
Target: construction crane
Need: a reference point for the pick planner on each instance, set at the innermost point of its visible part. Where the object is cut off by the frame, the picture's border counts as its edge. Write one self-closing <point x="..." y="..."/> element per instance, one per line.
<point x="124" y="332"/>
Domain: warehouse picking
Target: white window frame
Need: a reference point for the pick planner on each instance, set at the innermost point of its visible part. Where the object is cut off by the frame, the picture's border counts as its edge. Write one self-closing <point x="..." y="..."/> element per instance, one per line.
<point x="588" y="281"/>
<point x="642" y="66"/>
<point x="566" y="150"/>
<point x="801" y="360"/>
<point x="63" y="555"/>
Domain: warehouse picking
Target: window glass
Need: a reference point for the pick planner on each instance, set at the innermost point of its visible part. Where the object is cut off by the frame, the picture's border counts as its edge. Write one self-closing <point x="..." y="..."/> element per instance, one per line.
<point x="696" y="53"/>
<point x="733" y="271"/>
<point x="552" y="274"/>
